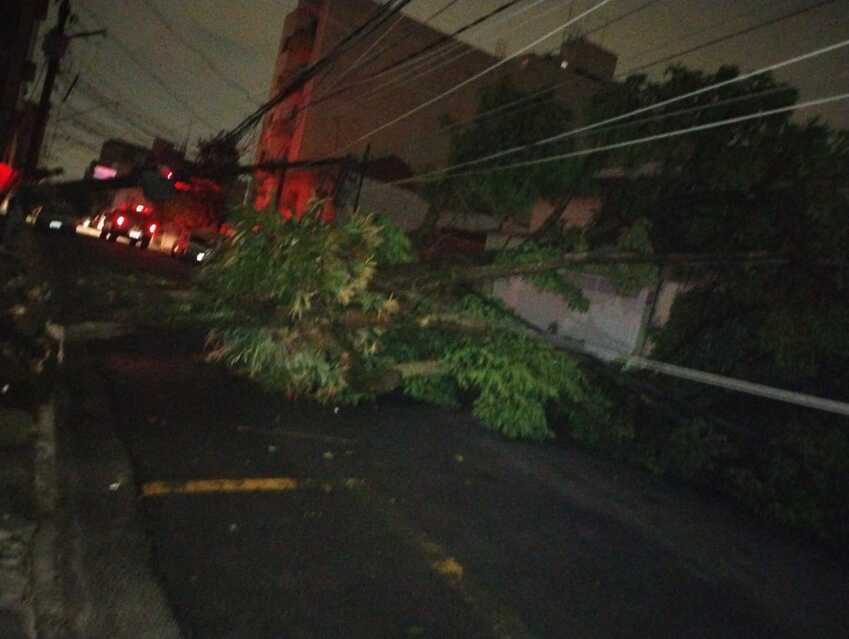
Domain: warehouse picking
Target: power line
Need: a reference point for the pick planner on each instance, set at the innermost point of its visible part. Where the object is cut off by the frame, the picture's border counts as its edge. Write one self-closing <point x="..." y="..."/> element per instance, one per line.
<point x="549" y="89"/>
<point x="528" y="98"/>
<point x="359" y="63"/>
<point x="650" y="107"/>
<point x="422" y="56"/>
<point x="436" y="59"/>
<point x="694" y="109"/>
<point x="477" y="76"/>
<point x="383" y="13"/>
<point x="736" y="34"/>
<point x="231" y="82"/>
<point x="643" y="140"/>
<point x="620" y="18"/>
<point x="148" y="70"/>
<point x="119" y="108"/>
<point x="428" y="66"/>
<point x="409" y="29"/>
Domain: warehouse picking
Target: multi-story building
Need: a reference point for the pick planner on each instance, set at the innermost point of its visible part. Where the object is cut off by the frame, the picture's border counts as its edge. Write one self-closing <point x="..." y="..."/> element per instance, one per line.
<point x="333" y="111"/>
<point x="18" y="30"/>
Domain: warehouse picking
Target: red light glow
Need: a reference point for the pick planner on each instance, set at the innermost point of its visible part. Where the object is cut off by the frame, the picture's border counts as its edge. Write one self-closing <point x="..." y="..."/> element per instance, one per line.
<point x="153" y="228"/>
<point x="139" y="208"/>
<point x="120" y="221"/>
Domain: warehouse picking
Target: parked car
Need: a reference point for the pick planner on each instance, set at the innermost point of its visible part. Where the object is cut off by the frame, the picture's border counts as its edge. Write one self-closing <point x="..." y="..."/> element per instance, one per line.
<point x="56" y="217"/>
<point x="139" y="227"/>
<point x="196" y="247"/>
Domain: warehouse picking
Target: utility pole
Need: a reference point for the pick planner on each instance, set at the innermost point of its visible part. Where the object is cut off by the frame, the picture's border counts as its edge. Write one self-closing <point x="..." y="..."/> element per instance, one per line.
<point x="363" y="168"/>
<point x="54" y="47"/>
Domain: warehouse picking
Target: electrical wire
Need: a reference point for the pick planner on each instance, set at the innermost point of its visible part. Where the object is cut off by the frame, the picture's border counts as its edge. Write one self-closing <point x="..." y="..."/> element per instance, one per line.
<point x="361" y="63"/>
<point x="458" y="86"/>
<point x="428" y="55"/>
<point x="736" y="34"/>
<point x="120" y="109"/>
<point x="381" y="15"/>
<point x="148" y="71"/>
<point x="426" y="66"/>
<point x="650" y="107"/>
<point x="644" y="140"/>
<point x="150" y="5"/>
<point x="507" y="106"/>
<point x="408" y="31"/>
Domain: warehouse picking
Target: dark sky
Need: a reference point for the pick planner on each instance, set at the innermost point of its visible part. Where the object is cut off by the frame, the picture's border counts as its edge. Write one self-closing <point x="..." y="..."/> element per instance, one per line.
<point x="210" y="64"/>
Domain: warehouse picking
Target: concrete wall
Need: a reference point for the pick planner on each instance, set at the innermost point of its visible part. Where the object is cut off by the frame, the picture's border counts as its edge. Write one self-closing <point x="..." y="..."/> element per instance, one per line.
<point x="615" y="325"/>
<point x="610" y="328"/>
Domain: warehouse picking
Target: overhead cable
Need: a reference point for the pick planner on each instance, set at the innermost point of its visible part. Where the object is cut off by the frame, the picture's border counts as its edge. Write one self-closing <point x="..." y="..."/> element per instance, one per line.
<point x="458" y="86"/>
<point x="736" y="34"/>
<point x="148" y="70"/>
<point x="427" y="53"/>
<point x="427" y="67"/>
<point x="381" y="15"/>
<point x="650" y="107"/>
<point x="643" y="140"/>
<point x="229" y="81"/>
<point x="507" y="106"/>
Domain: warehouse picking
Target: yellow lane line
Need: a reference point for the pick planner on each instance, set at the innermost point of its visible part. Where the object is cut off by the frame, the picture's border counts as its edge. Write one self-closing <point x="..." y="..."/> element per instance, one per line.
<point x="249" y="485"/>
<point x="505" y="622"/>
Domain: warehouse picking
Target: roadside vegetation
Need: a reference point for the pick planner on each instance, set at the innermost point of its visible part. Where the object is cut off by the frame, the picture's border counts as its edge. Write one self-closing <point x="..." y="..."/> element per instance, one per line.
<point x="349" y="311"/>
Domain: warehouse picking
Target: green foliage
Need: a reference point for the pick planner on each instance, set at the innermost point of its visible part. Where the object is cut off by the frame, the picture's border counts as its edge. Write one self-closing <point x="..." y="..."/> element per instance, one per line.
<point x="437" y="389"/>
<point x="771" y="185"/>
<point x="694" y="450"/>
<point x="801" y="480"/>
<point x="531" y="252"/>
<point x="297" y="306"/>
<point x="274" y="293"/>
<point x="512" y="193"/>
<point x="515" y="377"/>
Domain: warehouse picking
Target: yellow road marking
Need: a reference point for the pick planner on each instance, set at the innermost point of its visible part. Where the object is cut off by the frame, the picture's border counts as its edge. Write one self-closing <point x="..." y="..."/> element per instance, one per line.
<point x="505" y="622"/>
<point x="249" y="485"/>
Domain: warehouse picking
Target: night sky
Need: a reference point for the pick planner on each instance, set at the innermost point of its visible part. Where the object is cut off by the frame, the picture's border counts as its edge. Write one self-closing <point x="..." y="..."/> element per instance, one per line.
<point x="210" y="63"/>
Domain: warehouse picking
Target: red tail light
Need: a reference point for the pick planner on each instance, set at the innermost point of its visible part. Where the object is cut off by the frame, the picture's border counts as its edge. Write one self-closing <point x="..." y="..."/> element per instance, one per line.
<point x="153" y="228"/>
<point x="120" y="221"/>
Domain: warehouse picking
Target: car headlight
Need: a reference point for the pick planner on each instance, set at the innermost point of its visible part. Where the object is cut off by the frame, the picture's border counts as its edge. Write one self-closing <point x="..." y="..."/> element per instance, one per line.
<point x="199" y="257"/>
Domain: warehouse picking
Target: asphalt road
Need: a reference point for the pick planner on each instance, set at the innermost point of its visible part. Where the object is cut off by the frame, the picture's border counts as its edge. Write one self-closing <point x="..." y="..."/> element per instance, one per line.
<point x="271" y="518"/>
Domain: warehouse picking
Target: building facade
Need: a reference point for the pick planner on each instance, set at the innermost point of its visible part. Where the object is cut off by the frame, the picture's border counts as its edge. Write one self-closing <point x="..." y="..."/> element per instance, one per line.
<point x="19" y="25"/>
<point x="356" y="96"/>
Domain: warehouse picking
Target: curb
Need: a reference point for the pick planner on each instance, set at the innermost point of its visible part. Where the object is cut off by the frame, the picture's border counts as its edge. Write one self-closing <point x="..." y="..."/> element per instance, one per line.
<point x="102" y="551"/>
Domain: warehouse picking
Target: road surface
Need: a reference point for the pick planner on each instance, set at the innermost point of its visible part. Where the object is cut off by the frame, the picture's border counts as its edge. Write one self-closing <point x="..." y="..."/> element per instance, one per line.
<point x="272" y="518"/>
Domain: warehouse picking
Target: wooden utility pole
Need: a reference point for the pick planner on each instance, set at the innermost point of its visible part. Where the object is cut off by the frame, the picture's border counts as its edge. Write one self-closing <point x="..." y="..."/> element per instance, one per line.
<point x="363" y="168"/>
<point x="54" y="47"/>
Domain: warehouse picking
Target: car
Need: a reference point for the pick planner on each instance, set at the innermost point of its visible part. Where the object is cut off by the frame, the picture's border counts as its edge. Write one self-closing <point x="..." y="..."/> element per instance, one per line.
<point x="56" y="217"/>
<point x="138" y="226"/>
<point x="195" y="247"/>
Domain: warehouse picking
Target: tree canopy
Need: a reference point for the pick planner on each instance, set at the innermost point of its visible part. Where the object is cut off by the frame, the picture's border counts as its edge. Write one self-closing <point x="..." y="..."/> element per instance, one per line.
<point x="345" y="311"/>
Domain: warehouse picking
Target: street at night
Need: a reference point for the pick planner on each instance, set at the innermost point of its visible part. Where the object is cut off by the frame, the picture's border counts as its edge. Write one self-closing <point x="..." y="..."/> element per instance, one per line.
<point x="278" y="518"/>
<point x="409" y="319"/>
